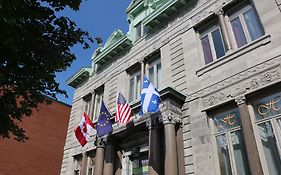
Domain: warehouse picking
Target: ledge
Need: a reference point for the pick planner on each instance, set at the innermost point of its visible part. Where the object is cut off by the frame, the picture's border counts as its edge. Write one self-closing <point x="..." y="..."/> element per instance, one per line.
<point x="79" y="77"/>
<point x="112" y="50"/>
<point x="234" y="54"/>
<point x="163" y="12"/>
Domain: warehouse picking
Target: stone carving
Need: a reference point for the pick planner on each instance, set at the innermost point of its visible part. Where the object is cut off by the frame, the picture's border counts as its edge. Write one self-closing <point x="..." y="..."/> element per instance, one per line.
<point x="240" y="100"/>
<point x="240" y="84"/>
<point x="153" y="122"/>
<point x="170" y="118"/>
<point x="100" y="142"/>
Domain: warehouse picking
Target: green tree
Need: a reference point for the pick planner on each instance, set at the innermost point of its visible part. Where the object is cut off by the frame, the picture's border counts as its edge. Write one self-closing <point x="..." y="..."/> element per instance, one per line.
<point x="35" y="43"/>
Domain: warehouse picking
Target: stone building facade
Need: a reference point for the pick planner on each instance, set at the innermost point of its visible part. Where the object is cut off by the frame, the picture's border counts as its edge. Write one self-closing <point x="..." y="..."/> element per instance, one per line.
<point x="217" y="66"/>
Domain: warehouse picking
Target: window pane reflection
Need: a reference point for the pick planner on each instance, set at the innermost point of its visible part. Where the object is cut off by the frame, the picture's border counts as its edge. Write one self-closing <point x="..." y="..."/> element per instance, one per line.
<point x="223" y="155"/>
<point x="253" y="24"/>
<point x="270" y="148"/>
<point x="207" y="50"/>
<point x="239" y="153"/>
<point x="158" y="76"/>
<point x="238" y="32"/>
<point x="219" y="48"/>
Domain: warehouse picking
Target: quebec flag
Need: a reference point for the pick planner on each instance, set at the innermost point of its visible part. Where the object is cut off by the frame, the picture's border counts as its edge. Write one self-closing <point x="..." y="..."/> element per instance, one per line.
<point x="150" y="98"/>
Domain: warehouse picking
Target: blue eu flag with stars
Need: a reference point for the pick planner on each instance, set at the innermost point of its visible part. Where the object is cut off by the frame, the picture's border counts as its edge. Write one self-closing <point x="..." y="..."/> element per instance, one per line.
<point x="104" y="125"/>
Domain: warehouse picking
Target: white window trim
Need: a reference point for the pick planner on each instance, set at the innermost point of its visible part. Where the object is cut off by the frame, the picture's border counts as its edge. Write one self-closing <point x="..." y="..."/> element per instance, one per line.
<point x="208" y="33"/>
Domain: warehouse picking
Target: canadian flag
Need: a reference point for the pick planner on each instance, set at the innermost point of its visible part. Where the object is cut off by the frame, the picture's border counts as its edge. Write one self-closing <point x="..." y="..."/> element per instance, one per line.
<point x="84" y="130"/>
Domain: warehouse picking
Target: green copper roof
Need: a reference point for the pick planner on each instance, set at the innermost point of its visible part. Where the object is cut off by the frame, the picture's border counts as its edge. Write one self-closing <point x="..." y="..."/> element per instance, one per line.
<point x="115" y="44"/>
<point x="79" y="77"/>
<point x="163" y="12"/>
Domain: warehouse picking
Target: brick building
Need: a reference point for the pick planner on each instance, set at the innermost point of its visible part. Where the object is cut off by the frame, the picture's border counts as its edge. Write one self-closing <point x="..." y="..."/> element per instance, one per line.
<point x="42" y="153"/>
<point x="217" y="64"/>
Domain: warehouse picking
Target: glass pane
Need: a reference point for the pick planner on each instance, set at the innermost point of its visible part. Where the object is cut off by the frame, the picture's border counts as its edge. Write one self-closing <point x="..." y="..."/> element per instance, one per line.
<point x="240" y="157"/>
<point x="268" y="106"/>
<point x="151" y="75"/>
<point x="270" y="148"/>
<point x="253" y="24"/>
<point x="227" y="120"/>
<point x="90" y="171"/>
<point x="207" y="50"/>
<point x="138" y="31"/>
<point x="218" y="43"/>
<point x="138" y="86"/>
<point x="238" y="32"/>
<point x="223" y="154"/>
<point x="159" y="75"/>
<point x="131" y="95"/>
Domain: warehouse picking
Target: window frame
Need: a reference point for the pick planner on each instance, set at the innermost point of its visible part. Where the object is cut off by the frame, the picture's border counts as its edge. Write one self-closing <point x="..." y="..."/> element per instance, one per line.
<point x="97" y="103"/>
<point x="276" y="130"/>
<point x="207" y="30"/>
<point x="134" y="76"/>
<point x="239" y="13"/>
<point x="227" y="133"/>
<point x="153" y="63"/>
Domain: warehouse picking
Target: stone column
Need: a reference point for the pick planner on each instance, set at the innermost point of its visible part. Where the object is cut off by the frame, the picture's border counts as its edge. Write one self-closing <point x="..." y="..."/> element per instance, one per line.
<point x="180" y="149"/>
<point x="155" y="167"/>
<point x="220" y="14"/>
<point x="99" y="161"/>
<point x="84" y="164"/>
<point x="249" y="137"/>
<point x="118" y="163"/>
<point x="142" y="70"/>
<point x="109" y="158"/>
<point x="171" y="158"/>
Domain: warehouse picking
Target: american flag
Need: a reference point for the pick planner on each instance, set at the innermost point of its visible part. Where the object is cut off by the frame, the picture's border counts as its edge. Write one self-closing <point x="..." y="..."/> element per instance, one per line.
<point x="123" y="112"/>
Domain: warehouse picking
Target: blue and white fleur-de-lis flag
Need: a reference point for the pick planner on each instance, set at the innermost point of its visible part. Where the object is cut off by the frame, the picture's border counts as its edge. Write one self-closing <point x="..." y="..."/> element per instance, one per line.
<point x="104" y="125"/>
<point x="150" y="98"/>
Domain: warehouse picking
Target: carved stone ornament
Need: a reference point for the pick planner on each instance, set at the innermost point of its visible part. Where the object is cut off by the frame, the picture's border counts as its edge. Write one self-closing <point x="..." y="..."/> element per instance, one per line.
<point x="100" y="142"/>
<point x="240" y="84"/>
<point x="152" y="122"/>
<point x="170" y="118"/>
<point x="240" y="100"/>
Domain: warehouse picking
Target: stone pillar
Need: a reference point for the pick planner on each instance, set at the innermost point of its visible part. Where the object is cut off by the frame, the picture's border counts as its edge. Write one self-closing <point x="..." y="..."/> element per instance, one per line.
<point x="155" y="167"/>
<point x="171" y="158"/>
<point x="249" y="137"/>
<point x="220" y="14"/>
<point x="118" y="163"/>
<point x="142" y="70"/>
<point x="180" y="150"/>
<point x="99" y="161"/>
<point x="109" y="158"/>
<point x="84" y="164"/>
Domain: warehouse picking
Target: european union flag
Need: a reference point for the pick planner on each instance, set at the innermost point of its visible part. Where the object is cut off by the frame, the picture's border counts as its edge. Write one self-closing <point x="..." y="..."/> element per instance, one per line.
<point x="104" y="125"/>
<point x="150" y="98"/>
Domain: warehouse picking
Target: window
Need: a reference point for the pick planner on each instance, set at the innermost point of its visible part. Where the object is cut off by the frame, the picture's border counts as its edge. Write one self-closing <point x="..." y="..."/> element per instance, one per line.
<point x="135" y="86"/>
<point x="212" y="44"/>
<point x="246" y="26"/>
<point x="77" y="164"/>
<point x="140" y="164"/>
<point x="154" y="72"/>
<point x="267" y="112"/>
<point x="87" y="103"/>
<point x="227" y="136"/>
<point x="138" y="33"/>
<point x="238" y="27"/>
<point x="97" y="103"/>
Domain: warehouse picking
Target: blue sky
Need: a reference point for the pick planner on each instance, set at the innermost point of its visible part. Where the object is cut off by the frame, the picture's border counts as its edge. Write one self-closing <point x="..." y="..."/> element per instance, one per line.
<point x="99" y="18"/>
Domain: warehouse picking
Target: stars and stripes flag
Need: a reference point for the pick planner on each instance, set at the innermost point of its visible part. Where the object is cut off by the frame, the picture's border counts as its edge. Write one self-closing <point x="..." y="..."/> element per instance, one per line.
<point x="123" y="111"/>
<point x="84" y="130"/>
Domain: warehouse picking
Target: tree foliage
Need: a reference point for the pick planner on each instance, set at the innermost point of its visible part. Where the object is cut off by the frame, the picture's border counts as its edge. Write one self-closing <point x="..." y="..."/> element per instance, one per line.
<point x="34" y="44"/>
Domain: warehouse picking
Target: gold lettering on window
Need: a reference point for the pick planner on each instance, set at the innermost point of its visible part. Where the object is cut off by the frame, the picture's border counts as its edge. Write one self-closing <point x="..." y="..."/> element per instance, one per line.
<point x="229" y="119"/>
<point x="270" y="106"/>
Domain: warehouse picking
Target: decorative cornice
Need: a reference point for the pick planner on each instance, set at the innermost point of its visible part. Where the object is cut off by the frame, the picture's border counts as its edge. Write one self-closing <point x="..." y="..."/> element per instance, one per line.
<point x="242" y="83"/>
